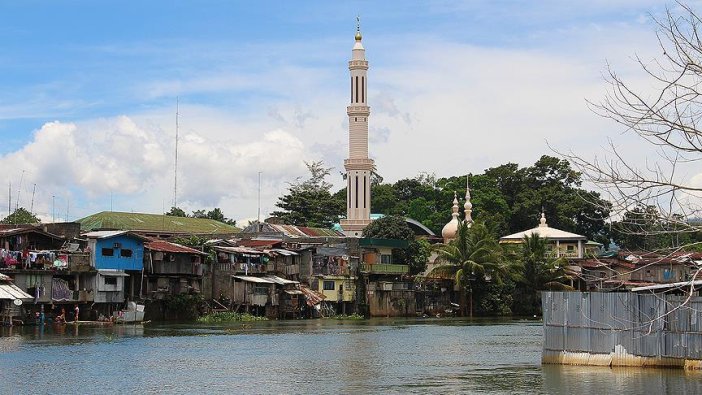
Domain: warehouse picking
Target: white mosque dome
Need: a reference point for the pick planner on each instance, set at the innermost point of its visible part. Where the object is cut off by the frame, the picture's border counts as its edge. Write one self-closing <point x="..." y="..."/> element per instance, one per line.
<point x="451" y="228"/>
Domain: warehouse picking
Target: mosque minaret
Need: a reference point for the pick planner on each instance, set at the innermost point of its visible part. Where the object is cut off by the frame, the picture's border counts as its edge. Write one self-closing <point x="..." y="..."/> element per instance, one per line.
<point x="450" y="230"/>
<point x="358" y="165"/>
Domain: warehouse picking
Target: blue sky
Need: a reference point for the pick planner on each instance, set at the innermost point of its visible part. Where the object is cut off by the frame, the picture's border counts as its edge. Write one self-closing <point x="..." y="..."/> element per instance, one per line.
<point x="88" y="93"/>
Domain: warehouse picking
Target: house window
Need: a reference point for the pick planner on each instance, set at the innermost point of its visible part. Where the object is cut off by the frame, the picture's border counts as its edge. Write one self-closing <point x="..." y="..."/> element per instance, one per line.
<point x="124" y="253"/>
<point x="260" y="290"/>
<point x="386" y="259"/>
<point x="110" y="280"/>
<point x="329" y="285"/>
<point x="571" y="248"/>
<point x="108" y="252"/>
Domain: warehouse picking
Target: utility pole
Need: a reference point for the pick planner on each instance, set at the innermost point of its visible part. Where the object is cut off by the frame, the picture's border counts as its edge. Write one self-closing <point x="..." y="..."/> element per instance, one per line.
<point x="175" y="169"/>
<point x="19" y="189"/>
<point x="258" y="217"/>
<point x="31" y="207"/>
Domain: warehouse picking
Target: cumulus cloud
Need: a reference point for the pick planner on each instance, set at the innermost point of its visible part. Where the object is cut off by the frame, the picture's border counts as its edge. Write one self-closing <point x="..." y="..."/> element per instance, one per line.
<point x="120" y="157"/>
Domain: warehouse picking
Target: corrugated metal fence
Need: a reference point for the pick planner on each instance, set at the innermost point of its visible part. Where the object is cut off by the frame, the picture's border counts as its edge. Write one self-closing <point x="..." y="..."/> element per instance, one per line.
<point x="646" y="325"/>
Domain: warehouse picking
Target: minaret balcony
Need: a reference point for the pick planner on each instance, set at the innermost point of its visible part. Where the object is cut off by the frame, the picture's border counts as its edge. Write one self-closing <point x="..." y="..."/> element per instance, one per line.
<point x="358" y="111"/>
<point x="358" y="164"/>
<point x="358" y="64"/>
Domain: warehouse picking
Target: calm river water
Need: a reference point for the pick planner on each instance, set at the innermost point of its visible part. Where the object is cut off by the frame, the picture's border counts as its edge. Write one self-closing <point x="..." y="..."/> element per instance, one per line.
<point x="310" y="356"/>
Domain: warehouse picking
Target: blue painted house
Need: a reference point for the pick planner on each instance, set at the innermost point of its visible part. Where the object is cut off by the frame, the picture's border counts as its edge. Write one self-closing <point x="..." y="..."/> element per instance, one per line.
<point x="116" y="250"/>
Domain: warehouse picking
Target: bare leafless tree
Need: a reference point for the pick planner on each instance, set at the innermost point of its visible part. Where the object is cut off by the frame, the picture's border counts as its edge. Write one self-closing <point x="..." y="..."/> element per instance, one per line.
<point x="668" y="117"/>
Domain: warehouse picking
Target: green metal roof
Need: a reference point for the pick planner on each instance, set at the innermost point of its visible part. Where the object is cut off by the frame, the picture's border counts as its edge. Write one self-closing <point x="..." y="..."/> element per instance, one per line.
<point x="154" y="223"/>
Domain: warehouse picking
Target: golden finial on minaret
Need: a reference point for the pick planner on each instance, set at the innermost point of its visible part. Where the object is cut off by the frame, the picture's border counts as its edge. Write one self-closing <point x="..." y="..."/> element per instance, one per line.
<point x="358" y="28"/>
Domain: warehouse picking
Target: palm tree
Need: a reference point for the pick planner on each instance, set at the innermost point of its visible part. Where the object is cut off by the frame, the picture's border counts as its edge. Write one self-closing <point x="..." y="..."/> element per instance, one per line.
<point x="473" y="256"/>
<point x="540" y="271"/>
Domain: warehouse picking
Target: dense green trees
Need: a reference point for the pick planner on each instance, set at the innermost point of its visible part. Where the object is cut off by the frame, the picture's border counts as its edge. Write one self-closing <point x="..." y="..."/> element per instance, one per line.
<point x="508" y="198"/>
<point x="538" y="271"/>
<point x="394" y="227"/>
<point x="645" y="228"/>
<point x="20" y="216"/>
<point x="476" y="262"/>
<point x="215" y="214"/>
<point x="310" y="202"/>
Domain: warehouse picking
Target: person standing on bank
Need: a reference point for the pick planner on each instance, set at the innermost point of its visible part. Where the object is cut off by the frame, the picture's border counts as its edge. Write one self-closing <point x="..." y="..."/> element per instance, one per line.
<point x="76" y="313"/>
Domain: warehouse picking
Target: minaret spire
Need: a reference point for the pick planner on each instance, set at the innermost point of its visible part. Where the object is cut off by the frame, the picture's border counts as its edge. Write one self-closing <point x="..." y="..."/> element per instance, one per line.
<point x="358" y="165"/>
<point x="468" y="206"/>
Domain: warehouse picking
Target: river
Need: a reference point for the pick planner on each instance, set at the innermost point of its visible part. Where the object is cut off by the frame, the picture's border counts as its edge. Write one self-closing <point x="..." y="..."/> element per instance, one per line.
<point x="310" y="356"/>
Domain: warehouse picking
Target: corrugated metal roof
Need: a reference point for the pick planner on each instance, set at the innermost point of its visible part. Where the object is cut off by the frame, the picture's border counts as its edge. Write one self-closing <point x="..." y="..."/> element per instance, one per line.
<point x="12" y="292"/>
<point x="281" y="281"/>
<point x="313" y="297"/>
<point x="104" y="234"/>
<point x="251" y="279"/>
<point x="112" y="273"/>
<point x="166" y="246"/>
<point x="257" y="243"/>
<point x="154" y="223"/>
<point x="239" y="250"/>
<point x="683" y="285"/>
<point x="25" y="230"/>
<point x="284" y="252"/>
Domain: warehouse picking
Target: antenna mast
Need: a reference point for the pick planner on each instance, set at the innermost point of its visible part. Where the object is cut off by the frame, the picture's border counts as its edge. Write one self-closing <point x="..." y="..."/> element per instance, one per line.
<point x="31" y="207"/>
<point x="175" y="170"/>
<point x="19" y="190"/>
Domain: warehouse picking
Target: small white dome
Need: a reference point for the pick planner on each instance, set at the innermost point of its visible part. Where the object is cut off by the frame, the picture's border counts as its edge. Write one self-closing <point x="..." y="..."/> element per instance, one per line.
<point x="450" y="229"/>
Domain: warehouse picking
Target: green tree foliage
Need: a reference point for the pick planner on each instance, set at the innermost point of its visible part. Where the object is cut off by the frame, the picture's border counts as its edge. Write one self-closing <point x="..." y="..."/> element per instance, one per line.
<point x="176" y="212"/>
<point x="539" y="271"/>
<point x="474" y="259"/>
<point x="215" y="214"/>
<point x="417" y="252"/>
<point x="389" y="227"/>
<point x="21" y="216"/>
<point x="507" y="198"/>
<point x="644" y="228"/>
<point x="309" y="202"/>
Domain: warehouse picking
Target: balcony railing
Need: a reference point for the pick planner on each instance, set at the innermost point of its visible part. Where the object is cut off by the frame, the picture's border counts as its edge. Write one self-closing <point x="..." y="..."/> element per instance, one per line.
<point x="384" y="268"/>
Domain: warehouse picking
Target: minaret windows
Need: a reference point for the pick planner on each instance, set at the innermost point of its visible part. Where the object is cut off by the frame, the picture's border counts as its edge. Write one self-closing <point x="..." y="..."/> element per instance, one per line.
<point x="356" y="191"/>
<point x="356" y="89"/>
<point x="365" y="186"/>
<point x="351" y="89"/>
<point x="363" y="89"/>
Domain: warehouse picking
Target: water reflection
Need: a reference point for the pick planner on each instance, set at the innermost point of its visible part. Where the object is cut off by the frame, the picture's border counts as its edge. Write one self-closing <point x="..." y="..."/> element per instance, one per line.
<point x="309" y="356"/>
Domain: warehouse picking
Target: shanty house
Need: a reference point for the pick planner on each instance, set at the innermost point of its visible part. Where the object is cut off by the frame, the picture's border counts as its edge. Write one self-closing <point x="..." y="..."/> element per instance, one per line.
<point x="171" y="269"/>
<point x="11" y="300"/>
<point x="116" y="250"/>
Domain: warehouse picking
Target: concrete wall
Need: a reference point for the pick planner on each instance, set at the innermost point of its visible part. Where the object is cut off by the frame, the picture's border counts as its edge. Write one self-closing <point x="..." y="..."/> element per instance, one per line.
<point x="395" y="303"/>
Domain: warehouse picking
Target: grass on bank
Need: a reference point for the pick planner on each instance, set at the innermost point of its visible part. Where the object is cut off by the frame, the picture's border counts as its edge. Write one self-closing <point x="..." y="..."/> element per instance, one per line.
<point x="353" y="316"/>
<point x="228" y="316"/>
